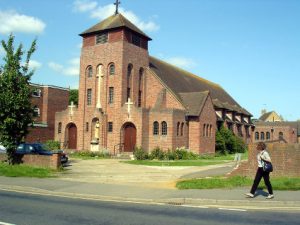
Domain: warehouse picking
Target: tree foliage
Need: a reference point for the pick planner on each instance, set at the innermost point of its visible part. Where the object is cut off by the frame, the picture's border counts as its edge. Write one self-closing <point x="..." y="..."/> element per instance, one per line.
<point x="227" y="142"/>
<point x="15" y="107"/>
<point x="73" y="96"/>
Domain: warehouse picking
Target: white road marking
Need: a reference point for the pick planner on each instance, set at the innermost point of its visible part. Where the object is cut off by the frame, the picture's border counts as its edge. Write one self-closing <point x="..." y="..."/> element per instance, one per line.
<point x="3" y="223"/>
<point x="195" y="206"/>
<point x="230" y="209"/>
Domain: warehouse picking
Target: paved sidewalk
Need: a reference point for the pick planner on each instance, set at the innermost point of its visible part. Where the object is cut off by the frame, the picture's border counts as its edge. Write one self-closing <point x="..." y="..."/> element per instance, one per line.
<point x="155" y="192"/>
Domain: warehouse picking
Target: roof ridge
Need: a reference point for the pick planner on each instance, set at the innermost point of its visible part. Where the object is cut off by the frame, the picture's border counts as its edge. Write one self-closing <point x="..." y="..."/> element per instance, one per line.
<point x="187" y="72"/>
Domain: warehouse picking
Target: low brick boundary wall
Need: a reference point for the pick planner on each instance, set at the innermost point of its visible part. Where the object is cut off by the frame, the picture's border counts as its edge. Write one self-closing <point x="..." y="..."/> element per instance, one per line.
<point x="285" y="160"/>
<point x="46" y="161"/>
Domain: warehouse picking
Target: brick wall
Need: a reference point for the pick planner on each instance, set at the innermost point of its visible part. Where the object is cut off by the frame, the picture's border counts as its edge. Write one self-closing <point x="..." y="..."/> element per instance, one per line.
<point x="45" y="161"/>
<point x="52" y="100"/>
<point x="285" y="159"/>
<point x="289" y="133"/>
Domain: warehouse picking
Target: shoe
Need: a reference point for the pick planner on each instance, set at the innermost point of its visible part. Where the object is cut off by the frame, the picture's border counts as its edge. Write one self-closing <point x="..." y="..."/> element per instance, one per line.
<point x="270" y="196"/>
<point x="249" y="195"/>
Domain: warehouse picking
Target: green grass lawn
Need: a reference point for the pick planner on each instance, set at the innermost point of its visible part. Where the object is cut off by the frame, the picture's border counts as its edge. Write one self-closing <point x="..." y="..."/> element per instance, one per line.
<point x="280" y="183"/>
<point x="202" y="162"/>
<point x="25" y="171"/>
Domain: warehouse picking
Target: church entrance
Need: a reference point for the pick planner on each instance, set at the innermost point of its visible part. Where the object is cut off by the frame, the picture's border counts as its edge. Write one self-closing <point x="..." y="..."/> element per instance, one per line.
<point x="129" y="137"/>
<point x="72" y="136"/>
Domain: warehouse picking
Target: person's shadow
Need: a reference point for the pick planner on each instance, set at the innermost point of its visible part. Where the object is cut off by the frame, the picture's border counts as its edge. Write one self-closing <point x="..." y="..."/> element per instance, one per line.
<point x="261" y="192"/>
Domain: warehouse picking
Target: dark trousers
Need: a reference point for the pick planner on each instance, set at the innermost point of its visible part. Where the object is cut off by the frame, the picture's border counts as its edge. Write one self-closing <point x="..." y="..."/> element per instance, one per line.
<point x="259" y="174"/>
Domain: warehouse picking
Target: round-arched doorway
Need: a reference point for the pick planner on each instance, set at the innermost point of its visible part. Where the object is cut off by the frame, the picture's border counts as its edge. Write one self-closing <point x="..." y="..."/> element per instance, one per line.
<point x="129" y="137"/>
<point x="71" y="135"/>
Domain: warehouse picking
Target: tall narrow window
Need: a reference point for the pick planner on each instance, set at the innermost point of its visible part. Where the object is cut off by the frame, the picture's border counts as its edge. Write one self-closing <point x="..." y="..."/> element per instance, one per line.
<point x="112" y="69"/>
<point x="268" y="136"/>
<point x="262" y="136"/>
<point x="140" y="87"/>
<point x="87" y="126"/>
<point x="89" y="71"/>
<point x="110" y="127"/>
<point x="178" y="127"/>
<point x="111" y="95"/>
<point x="89" y="96"/>
<point x="102" y="38"/>
<point x="59" y="127"/>
<point x="129" y="75"/>
<point x="181" y="130"/>
<point x="210" y="131"/>
<point x="256" y="136"/>
<point x="155" y="128"/>
<point x="204" y="130"/>
<point x="164" y="128"/>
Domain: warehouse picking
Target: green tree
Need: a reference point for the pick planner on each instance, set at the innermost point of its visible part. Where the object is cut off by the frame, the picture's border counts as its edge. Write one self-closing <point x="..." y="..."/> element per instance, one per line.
<point x="227" y="142"/>
<point x="15" y="107"/>
<point x="73" y="96"/>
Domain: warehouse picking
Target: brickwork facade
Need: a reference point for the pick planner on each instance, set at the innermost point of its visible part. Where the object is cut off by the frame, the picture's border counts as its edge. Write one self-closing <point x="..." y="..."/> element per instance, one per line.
<point x="124" y="104"/>
<point x="284" y="132"/>
<point x="47" y="100"/>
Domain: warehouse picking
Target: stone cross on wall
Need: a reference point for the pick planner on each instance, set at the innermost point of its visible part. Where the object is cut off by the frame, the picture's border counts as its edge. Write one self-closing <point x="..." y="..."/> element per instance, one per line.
<point x="71" y="110"/>
<point x="72" y="106"/>
<point x="100" y="77"/>
<point x="129" y="103"/>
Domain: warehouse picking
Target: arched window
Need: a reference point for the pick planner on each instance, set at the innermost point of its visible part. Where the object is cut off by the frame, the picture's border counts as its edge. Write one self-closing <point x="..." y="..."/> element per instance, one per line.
<point x="256" y="136"/>
<point x="129" y="75"/>
<point x="210" y="130"/>
<point x="280" y="135"/>
<point x="59" y="127"/>
<point x="262" y="136"/>
<point x="181" y="130"/>
<point x="178" y="127"/>
<point x="112" y="69"/>
<point x="155" y="128"/>
<point x="89" y="71"/>
<point x="204" y="130"/>
<point x="164" y="128"/>
<point x="268" y="136"/>
<point x="140" y="87"/>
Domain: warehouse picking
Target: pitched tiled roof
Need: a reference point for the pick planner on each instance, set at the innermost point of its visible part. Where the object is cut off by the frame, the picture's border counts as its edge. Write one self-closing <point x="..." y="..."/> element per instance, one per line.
<point x="265" y="116"/>
<point x="194" y="101"/>
<point x="181" y="81"/>
<point x="113" y="22"/>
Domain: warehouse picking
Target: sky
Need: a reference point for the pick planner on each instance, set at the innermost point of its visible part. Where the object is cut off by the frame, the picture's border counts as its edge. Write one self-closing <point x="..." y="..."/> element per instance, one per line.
<point x="249" y="47"/>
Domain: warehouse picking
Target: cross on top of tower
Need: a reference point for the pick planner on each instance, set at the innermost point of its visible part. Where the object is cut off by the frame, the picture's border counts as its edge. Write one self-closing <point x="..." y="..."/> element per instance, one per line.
<point x="117" y="3"/>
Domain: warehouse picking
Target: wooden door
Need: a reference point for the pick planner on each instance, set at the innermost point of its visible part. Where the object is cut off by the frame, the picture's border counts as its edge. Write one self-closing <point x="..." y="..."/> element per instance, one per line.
<point x="129" y="137"/>
<point x="72" y="139"/>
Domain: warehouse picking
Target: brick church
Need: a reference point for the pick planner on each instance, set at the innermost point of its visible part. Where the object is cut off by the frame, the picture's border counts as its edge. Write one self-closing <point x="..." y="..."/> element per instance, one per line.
<point x="129" y="99"/>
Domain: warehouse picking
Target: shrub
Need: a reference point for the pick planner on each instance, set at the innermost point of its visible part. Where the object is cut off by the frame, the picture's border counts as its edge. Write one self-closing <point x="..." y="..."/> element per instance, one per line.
<point x="220" y="143"/>
<point x="140" y="154"/>
<point x="170" y="155"/>
<point x="157" y="153"/>
<point x="233" y="144"/>
<point x="52" y="145"/>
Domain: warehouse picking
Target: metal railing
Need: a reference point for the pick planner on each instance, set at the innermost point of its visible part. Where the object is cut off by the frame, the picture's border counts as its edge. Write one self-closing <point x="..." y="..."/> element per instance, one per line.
<point x="118" y="148"/>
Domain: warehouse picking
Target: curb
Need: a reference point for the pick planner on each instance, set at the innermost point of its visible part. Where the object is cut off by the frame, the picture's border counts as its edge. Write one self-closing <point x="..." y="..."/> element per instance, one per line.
<point x="186" y="202"/>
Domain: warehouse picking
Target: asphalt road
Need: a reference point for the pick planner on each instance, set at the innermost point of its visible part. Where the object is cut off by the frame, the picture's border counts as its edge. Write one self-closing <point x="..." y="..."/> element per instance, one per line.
<point x="25" y="209"/>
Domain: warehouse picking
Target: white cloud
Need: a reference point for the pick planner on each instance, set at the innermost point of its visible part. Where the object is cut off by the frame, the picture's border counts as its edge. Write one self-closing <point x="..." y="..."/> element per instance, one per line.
<point x="72" y="68"/>
<point x="12" y="21"/>
<point x="84" y="5"/>
<point x="33" y="64"/>
<point x="183" y="62"/>
<point x="102" y="12"/>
